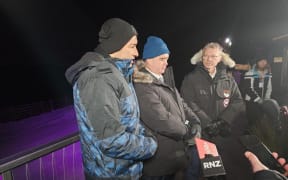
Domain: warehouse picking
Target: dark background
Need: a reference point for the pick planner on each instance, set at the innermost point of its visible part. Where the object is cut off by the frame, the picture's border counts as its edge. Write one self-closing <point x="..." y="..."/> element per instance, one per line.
<point x="41" y="38"/>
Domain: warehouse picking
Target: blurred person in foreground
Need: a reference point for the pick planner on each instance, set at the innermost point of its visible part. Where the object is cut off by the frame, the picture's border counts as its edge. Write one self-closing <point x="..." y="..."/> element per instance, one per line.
<point x="261" y="172"/>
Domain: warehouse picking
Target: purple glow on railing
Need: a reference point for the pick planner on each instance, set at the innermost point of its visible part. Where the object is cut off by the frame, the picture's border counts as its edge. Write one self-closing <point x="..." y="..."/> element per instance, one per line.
<point x="64" y="164"/>
<point x="22" y="135"/>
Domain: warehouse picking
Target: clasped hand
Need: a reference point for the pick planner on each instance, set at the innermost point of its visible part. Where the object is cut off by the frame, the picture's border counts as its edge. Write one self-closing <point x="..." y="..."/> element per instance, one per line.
<point x="218" y="127"/>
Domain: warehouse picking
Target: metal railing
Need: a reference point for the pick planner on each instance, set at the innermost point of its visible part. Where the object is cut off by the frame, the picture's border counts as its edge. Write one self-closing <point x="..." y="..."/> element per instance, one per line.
<point x="11" y="162"/>
<point x="21" y="111"/>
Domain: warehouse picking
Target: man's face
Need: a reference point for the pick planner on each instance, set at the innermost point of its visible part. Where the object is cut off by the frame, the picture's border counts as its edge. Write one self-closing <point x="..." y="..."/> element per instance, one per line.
<point x="128" y="51"/>
<point x="211" y="57"/>
<point x="158" y="64"/>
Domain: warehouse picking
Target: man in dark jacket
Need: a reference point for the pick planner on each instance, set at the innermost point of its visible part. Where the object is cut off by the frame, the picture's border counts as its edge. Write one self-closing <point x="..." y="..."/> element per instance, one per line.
<point x="215" y="97"/>
<point x="210" y="92"/>
<point x="164" y="113"/>
<point x="113" y="141"/>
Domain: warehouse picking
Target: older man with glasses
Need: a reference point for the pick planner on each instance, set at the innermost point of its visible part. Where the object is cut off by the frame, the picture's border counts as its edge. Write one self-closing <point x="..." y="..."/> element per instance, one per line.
<point x="216" y="99"/>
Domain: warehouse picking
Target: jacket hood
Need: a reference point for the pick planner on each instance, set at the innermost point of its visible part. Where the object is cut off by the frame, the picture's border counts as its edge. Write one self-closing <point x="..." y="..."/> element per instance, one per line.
<point x="140" y="75"/>
<point x="266" y="70"/>
<point x="88" y="60"/>
<point x="226" y="59"/>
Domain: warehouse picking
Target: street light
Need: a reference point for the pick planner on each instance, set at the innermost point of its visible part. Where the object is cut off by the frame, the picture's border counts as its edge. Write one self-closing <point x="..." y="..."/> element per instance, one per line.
<point x="228" y="42"/>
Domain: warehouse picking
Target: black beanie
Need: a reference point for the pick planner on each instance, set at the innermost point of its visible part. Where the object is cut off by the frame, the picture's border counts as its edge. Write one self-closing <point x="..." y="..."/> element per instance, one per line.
<point x="114" y="34"/>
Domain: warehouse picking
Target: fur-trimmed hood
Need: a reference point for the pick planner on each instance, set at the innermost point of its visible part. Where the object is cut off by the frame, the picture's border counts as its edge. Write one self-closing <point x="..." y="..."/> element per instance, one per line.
<point x="226" y="59"/>
<point x="139" y="76"/>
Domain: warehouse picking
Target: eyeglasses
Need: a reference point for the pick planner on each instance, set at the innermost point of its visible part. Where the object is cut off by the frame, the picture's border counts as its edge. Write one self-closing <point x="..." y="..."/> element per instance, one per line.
<point x="213" y="57"/>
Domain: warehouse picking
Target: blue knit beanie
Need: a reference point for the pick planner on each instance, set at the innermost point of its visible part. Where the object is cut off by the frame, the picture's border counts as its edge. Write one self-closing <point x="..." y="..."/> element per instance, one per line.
<point x="153" y="47"/>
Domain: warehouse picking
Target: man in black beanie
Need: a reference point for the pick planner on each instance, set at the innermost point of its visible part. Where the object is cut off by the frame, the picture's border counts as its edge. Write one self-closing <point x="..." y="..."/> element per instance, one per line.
<point x="114" y="34"/>
<point x="113" y="141"/>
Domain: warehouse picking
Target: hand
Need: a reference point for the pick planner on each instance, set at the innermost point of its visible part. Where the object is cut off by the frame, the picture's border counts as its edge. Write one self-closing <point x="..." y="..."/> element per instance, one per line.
<point x="255" y="163"/>
<point x="196" y="131"/>
<point x="192" y="130"/>
<point x="225" y="129"/>
<point x="258" y="166"/>
<point x="284" y="112"/>
<point x="260" y="101"/>
<point x="282" y="161"/>
<point x="211" y="130"/>
<point x="219" y="127"/>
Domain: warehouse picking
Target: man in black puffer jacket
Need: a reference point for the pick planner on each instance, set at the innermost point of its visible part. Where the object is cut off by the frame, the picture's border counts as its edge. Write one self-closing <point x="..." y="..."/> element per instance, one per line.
<point x="216" y="99"/>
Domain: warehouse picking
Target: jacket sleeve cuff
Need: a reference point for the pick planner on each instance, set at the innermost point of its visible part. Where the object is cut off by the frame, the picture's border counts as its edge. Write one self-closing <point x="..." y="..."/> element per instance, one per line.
<point x="257" y="99"/>
<point x="268" y="175"/>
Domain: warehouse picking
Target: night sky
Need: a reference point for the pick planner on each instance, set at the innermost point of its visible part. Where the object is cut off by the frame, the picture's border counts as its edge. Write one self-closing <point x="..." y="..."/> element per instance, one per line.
<point x="41" y="38"/>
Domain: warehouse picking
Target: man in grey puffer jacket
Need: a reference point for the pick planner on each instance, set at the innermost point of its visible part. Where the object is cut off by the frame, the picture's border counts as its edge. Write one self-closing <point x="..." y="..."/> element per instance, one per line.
<point x="113" y="141"/>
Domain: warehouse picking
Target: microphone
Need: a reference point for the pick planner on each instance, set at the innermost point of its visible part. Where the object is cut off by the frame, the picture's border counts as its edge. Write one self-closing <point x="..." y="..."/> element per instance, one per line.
<point x="211" y="162"/>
